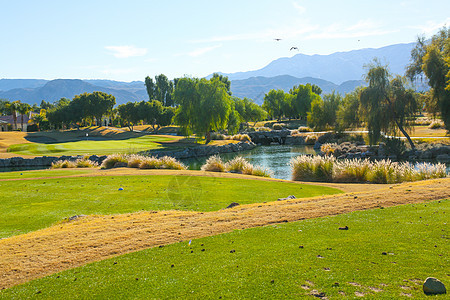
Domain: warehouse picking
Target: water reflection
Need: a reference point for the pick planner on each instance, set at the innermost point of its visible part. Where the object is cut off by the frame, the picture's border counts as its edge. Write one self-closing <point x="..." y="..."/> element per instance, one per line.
<point x="274" y="158"/>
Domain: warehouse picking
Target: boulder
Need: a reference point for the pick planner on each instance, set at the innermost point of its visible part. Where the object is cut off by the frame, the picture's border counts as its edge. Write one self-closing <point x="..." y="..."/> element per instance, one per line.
<point x="433" y="286"/>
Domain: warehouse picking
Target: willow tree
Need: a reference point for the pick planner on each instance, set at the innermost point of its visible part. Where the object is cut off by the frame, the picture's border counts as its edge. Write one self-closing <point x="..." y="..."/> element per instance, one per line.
<point x="203" y="105"/>
<point x="432" y="58"/>
<point x="387" y="106"/>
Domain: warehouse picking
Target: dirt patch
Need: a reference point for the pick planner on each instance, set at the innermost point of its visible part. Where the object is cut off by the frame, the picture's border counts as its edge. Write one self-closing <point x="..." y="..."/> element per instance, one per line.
<point x="92" y="238"/>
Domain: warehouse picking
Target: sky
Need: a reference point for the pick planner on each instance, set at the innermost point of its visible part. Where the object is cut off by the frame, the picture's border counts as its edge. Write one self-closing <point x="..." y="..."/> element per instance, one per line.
<point x="129" y="40"/>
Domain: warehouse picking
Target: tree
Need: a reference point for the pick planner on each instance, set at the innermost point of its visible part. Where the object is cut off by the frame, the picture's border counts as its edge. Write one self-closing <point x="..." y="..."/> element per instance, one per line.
<point x="224" y="80"/>
<point x="303" y="96"/>
<point x="163" y="90"/>
<point x="249" y="110"/>
<point x="274" y="103"/>
<point x="316" y="117"/>
<point x="316" y="89"/>
<point x="204" y="105"/>
<point x="150" y="86"/>
<point x="348" y="111"/>
<point x="386" y="104"/>
<point x="23" y="109"/>
<point x="129" y="113"/>
<point x="331" y="105"/>
<point x="12" y="108"/>
<point x="4" y="104"/>
<point x="433" y="59"/>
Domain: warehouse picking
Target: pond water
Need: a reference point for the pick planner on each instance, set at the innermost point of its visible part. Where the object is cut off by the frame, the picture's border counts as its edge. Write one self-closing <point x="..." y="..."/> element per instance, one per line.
<point x="275" y="158"/>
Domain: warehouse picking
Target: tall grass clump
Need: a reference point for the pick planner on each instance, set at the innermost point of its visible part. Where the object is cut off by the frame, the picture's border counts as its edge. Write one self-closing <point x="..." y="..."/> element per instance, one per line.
<point x="150" y="163"/>
<point x="113" y="160"/>
<point x="429" y="171"/>
<point x="168" y="162"/>
<point x="63" y="164"/>
<point x="85" y="163"/>
<point x="79" y="163"/>
<point x="236" y="165"/>
<point x="351" y="170"/>
<point x="312" y="168"/>
<point x="214" y="164"/>
<point x="318" y="168"/>
<point x="262" y="172"/>
<point x="134" y="160"/>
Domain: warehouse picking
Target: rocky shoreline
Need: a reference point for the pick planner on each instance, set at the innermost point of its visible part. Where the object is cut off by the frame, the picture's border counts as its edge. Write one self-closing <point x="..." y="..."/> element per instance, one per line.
<point x="46" y="161"/>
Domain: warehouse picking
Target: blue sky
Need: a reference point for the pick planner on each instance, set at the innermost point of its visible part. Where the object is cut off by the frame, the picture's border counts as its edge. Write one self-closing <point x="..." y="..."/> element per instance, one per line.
<point x="128" y="40"/>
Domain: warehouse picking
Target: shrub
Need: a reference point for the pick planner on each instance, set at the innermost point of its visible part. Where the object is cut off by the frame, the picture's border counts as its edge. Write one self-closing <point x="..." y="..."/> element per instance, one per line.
<point x="113" y="160"/>
<point x="311" y="139"/>
<point x="395" y="146"/>
<point x="429" y="171"/>
<point x="436" y="125"/>
<point x="217" y="136"/>
<point x="278" y="126"/>
<point x="328" y="149"/>
<point x="214" y="164"/>
<point x="263" y="129"/>
<point x="241" y="137"/>
<point x="304" y="129"/>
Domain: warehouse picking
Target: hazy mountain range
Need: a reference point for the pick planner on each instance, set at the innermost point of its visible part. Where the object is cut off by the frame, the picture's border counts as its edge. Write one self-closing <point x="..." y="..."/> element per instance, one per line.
<point x="341" y="71"/>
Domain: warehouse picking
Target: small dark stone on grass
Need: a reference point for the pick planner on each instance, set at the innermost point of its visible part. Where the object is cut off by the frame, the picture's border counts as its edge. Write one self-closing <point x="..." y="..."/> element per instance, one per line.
<point x="272" y="281"/>
<point x="137" y="278"/>
<point x="172" y="266"/>
<point x="343" y="228"/>
<point x="192" y="251"/>
<point x="383" y="253"/>
<point x="38" y="292"/>
<point x="160" y="246"/>
<point x="233" y="204"/>
<point x="301" y="247"/>
<point x="115" y="263"/>
<point x="203" y="249"/>
<point x="232" y="251"/>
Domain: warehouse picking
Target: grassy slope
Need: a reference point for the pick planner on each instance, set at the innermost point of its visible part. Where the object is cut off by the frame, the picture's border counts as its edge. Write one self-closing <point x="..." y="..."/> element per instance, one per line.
<point x="268" y="263"/>
<point x="103" y="147"/>
<point x="29" y="205"/>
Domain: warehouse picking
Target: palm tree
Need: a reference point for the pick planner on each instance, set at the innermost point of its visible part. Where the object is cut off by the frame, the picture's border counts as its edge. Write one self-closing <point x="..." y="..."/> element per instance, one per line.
<point x="23" y="109"/>
<point x="13" y="108"/>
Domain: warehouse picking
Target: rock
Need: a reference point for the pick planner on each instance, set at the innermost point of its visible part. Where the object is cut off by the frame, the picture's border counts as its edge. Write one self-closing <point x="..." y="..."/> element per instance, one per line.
<point x="233" y="204"/>
<point x="433" y="286"/>
<point x="343" y="228"/>
<point x="290" y="197"/>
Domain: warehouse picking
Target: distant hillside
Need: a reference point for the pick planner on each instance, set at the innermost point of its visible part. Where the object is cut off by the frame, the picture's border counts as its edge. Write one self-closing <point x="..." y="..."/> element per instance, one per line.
<point x="337" y="67"/>
<point x="56" y="89"/>
<point x="255" y="87"/>
<point x="9" y="84"/>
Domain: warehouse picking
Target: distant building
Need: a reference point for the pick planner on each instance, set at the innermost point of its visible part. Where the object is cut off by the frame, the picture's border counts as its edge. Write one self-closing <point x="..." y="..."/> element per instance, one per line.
<point x="7" y="122"/>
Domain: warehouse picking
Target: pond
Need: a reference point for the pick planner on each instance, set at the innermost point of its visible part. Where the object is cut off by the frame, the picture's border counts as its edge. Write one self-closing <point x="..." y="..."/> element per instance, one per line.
<point x="275" y="158"/>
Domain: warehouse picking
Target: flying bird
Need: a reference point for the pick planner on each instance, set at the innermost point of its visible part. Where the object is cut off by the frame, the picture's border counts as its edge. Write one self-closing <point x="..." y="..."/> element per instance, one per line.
<point x="277" y="40"/>
<point x="293" y="48"/>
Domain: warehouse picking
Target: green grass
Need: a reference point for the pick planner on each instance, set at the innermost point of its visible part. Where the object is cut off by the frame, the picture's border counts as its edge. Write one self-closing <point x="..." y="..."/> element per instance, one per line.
<point x="28" y="205"/>
<point x="44" y="173"/>
<point x="82" y="147"/>
<point x="269" y="264"/>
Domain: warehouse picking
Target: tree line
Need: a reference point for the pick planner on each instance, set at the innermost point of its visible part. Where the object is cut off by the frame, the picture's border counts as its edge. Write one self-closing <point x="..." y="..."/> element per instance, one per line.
<point x="387" y="105"/>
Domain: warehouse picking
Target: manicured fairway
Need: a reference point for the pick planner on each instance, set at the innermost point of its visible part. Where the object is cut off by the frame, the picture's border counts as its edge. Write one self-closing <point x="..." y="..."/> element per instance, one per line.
<point x="44" y="173"/>
<point x="99" y="147"/>
<point x="385" y="254"/>
<point x="28" y="205"/>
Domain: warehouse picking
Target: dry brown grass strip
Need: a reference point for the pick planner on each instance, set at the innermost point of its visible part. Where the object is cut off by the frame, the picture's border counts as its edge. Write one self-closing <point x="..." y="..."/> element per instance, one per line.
<point x="92" y="238"/>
